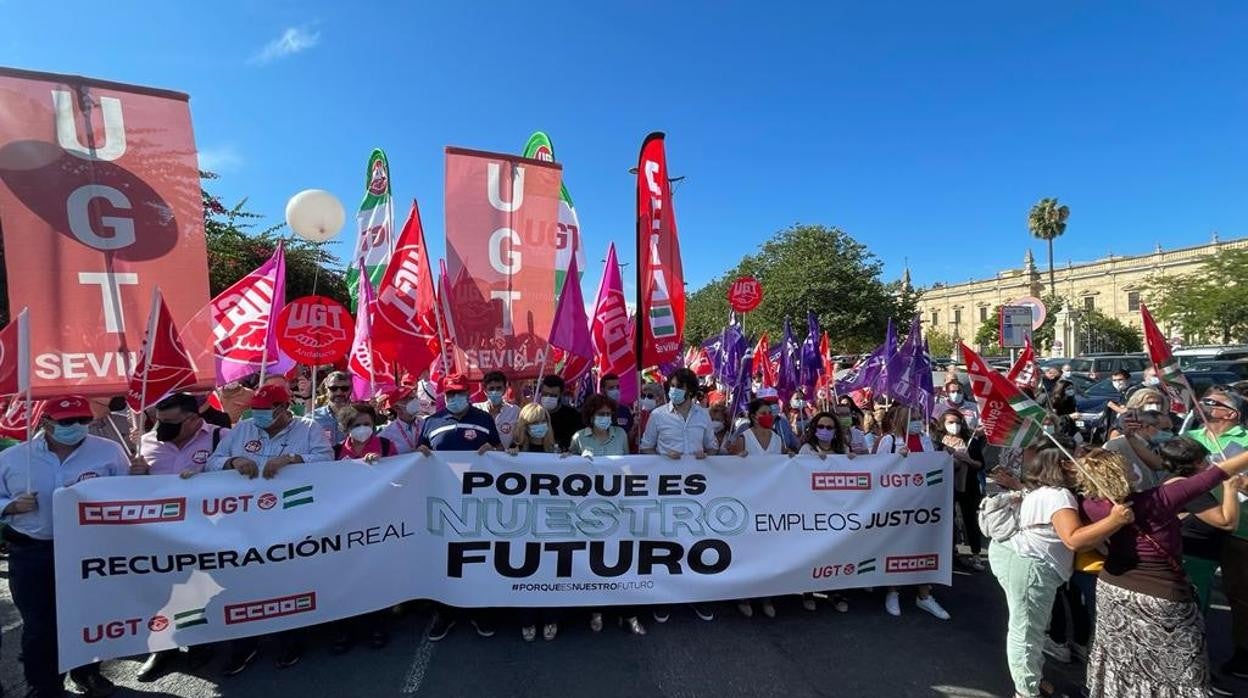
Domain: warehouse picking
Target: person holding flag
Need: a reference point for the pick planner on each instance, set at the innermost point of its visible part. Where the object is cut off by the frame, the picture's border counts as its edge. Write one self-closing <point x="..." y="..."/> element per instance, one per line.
<point x="61" y="454"/>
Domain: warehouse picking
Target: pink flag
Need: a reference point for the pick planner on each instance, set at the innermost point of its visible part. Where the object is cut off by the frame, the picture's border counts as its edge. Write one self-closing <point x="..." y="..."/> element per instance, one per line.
<point x="370" y="373"/>
<point x="238" y="329"/>
<point x="612" y="334"/>
<point x="570" y="329"/>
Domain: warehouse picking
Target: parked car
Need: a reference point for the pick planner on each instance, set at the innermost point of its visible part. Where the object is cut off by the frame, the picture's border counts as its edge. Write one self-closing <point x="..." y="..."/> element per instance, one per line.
<point x="1098" y="366"/>
<point x="1188" y="356"/>
<point x="1239" y="367"/>
<point x="1090" y="401"/>
<point x="1053" y="362"/>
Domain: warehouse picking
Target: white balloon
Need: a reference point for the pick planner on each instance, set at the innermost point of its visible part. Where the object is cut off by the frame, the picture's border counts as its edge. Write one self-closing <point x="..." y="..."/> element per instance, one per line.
<point x="315" y="215"/>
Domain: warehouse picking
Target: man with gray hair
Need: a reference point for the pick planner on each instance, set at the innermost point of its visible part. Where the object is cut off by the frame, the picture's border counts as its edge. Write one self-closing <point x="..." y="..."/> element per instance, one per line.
<point x="337" y="390"/>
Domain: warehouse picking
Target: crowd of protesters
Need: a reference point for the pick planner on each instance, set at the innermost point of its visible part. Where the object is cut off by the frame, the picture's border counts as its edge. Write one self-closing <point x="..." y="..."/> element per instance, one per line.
<point x="1119" y="542"/>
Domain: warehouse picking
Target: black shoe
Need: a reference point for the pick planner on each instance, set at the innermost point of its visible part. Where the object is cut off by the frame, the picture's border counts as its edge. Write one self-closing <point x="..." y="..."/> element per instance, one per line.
<point x="441" y="626"/>
<point x="289" y="657"/>
<point x="340" y="645"/>
<point x="484" y="629"/>
<point x="154" y="667"/>
<point x="93" y="685"/>
<point x="703" y="611"/>
<point x="197" y="657"/>
<point x="1237" y="667"/>
<point x="378" y="639"/>
<point x="239" y="661"/>
<point x="1215" y="689"/>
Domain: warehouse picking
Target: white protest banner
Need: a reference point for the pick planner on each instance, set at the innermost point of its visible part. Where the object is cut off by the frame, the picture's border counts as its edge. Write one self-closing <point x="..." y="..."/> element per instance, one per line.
<point x="217" y="557"/>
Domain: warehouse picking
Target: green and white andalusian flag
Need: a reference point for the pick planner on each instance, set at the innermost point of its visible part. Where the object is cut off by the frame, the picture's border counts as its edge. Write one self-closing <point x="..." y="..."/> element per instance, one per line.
<point x="375" y="220"/>
<point x="539" y="147"/>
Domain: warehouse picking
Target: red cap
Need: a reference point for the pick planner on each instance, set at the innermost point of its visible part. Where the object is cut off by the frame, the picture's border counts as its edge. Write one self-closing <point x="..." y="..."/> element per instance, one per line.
<point x="396" y="395"/>
<point x="67" y="407"/>
<point x="455" y="383"/>
<point x="268" y="396"/>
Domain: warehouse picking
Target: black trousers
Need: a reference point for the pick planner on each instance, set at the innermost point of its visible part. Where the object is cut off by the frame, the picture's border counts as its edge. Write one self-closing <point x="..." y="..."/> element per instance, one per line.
<point x="968" y="503"/>
<point x="32" y="582"/>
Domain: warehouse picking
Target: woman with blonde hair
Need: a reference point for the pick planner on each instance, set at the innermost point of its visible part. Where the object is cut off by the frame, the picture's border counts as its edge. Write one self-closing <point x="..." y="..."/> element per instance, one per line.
<point x="1150" y="634"/>
<point x="533" y="432"/>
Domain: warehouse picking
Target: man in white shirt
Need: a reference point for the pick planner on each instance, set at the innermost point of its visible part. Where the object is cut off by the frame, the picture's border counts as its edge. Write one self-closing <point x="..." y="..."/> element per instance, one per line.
<point x="505" y="414"/>
<point x="271" y="439"/>
<point x="680" y="428"/>
<point x="61" y="454"/>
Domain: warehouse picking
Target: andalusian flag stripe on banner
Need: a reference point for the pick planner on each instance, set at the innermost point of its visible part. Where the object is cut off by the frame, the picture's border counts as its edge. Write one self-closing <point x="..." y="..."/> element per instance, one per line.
<point x="539" y="147"/>
<point x="375" y="221"/>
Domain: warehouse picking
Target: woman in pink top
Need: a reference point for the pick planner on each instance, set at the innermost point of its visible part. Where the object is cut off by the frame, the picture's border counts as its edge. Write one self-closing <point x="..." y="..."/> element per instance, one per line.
<point x="1150" y="635"/>
<point x="359" y="422"/>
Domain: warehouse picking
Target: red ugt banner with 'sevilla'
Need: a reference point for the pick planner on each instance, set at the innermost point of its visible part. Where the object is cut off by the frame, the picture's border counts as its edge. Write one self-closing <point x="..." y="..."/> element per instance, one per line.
<point x="99" y="203"/>
<point x="661" y="317"/>
<point x="502" y="216"/>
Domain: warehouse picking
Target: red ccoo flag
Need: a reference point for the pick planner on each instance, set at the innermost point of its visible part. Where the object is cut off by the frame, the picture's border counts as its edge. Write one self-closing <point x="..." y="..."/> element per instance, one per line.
<point x="164" y="365"/>
<point x="660" y="279"/>
<point x="405" y="327"/>
<point x="1172" y="379"/>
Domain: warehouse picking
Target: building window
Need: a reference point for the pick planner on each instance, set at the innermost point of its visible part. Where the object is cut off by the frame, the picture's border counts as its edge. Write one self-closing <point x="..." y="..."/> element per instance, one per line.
<point x="983" y="313"/>
<point x="1089" y="303"/>
<point x="1133" y="300"/>
<point x="957" y="316"/>
<point x="935" y="318"/>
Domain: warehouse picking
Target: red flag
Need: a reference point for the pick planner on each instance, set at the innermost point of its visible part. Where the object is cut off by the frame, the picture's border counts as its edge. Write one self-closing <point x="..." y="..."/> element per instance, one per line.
<point x="163" y="364"/>
<point x="701" y="364"/>
<point x="611" y="330"/>
<point x="405" y="329"/>
<point x="447" y="358"/>
<point x="15" y="356"/>
<point x="13" y="422"/>
<point x="1025" y="373"/>
<point x="369" y="371"/>
<point x="1008" y="417"/>
<point x="660" y="277"/>
<point x="1172" y="378"/>
<point x="761" y="363"/>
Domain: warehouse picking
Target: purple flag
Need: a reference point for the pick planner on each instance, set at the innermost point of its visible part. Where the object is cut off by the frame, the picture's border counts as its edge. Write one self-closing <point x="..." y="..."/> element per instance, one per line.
<point x="570" y="329"/>
<point x="786" y="377"/>
<point x="811" y="362"/>
<point x="871" y="371"/>
<point x="909" y="374"/>
<point x="725" y="352"/>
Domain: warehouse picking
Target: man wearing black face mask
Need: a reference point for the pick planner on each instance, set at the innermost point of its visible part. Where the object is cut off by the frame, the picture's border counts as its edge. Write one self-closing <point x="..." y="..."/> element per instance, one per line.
<point x="181" y="442"/>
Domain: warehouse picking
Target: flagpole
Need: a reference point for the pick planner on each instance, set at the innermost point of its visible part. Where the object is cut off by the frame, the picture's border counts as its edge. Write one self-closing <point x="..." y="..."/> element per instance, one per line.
<point x="136" y="422"/>
<point x="23" y="368"/>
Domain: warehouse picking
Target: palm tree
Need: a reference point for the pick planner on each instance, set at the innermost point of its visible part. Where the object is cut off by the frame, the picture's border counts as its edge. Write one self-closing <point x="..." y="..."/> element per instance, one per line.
<point x="1047" y="221"/>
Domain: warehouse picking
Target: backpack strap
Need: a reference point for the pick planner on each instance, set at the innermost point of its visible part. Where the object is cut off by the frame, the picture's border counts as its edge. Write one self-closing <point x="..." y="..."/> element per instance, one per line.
<point x="387" y="446"/>
<point x="216" y="438"/>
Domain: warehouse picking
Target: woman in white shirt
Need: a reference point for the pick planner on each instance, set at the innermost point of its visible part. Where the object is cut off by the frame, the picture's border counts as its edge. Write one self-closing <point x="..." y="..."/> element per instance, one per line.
<point x="758" y="440"/>
<point x="905" y="433"/>
<point x="826" y="436"/>
<point x="1034" y="562"/>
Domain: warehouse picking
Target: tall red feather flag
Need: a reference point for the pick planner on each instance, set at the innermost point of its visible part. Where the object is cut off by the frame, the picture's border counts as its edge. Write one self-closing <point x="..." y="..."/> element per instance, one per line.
<point x="164" y="365"/>
<point x="1025" y="373"/>
<point x="660" y="278"/>
<point x="761" y="363"/>
<point x="404" y="328"/>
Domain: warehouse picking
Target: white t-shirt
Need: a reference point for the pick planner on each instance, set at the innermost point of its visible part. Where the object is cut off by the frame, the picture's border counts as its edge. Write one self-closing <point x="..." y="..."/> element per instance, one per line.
<point x="1036" y="537"/>
<point x="754" y="448"/>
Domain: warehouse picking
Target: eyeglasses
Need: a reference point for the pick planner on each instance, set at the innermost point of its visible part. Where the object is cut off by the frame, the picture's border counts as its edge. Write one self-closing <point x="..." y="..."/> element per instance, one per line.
<point x="74" y="420"/>
<point x="1210" y="402"/>
<point x="338" y="388"/>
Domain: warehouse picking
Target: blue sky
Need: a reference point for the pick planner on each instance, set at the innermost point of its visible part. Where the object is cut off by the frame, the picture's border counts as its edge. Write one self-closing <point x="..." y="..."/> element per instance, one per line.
<point x="925" y="130"/>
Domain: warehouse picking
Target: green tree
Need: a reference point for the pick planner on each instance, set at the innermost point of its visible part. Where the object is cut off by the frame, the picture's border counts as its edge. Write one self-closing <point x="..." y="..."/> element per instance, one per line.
<point x="1043" y="337"/>
<point x="1098" y="332"/>
<point x="1210" y="304"/>
<point x="1047" y="221"/>
<point x="939" y="344"/>
<point x="237" y="245"/>
<point x="988" y="336"/>
<point x="808" y="267"/>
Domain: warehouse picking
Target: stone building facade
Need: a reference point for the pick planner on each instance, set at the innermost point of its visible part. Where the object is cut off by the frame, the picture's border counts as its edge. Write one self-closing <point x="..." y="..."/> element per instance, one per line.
<point x="1112" y="285"/>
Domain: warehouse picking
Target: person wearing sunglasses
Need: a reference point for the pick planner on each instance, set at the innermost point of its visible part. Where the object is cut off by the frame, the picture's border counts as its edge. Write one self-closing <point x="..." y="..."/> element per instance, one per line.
<point x="1224" y="436"/>
<point x="337" y="394"/>
<point x="61" y="454"/>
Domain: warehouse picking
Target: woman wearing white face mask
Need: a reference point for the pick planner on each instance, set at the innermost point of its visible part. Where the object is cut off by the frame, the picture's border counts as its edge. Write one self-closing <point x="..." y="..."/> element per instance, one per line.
<point x="906" y="435"/>
<point x="359" y="422"/>
<point x="533" y="434"/>
<point x="968" y="459"/>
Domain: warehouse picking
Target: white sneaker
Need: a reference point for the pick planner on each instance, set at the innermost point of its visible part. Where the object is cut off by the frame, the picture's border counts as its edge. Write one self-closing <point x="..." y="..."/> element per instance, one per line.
<point x="808" y="602"/>
<point x="549" y="631"/>
<point x="769" y="609"/>
<point x="892" y="603"/>
<point x="529" y="633"/>
<point x="595" y="622"/>
<point x="1060" y="653"/>
<point x="745" y="609"/>
<point x="929" y="604"/>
